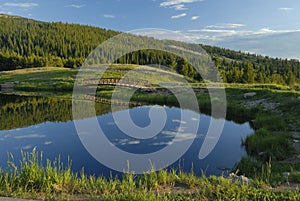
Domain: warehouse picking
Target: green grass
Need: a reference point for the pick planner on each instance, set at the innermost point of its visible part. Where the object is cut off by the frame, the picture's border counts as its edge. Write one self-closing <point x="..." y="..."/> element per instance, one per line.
<point x="271" y="143"/>
<point x="55" y="182"/>
<point x="268" y="172"/>
<point x="265" y="145"/>
<point x="270" y="121"/>
<point x="41" y="79"/>
<point x="62" y="79"/>
<point x="36" y="75"/>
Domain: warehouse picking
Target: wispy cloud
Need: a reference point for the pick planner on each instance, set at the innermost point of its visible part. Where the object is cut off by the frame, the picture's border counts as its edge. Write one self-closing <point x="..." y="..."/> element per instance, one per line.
<point x="109" y="16"/>
<point x="212" y="35"/>
<point x="20" y="5"/>
<point x="225" y="26"/>
<point x="179" y="7"/>
<point x="177" y="4"/>
<point x="77" y="5"/>
<point x="162" y="34"/>
<point x="286" y="9"/>
<point x="195" y="17"/>
<point x="169" y="3"/>
<point x="218" y="35"/>
<point x="178" y="16"/>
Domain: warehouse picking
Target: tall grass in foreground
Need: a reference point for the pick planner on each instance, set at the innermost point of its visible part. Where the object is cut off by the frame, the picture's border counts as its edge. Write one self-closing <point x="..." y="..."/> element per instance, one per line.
<point x="55" y="182"/>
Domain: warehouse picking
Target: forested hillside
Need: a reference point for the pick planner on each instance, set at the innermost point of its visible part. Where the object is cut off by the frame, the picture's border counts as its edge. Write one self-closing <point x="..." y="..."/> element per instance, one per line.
<point x="28" y="43"/>
<point x="239" y="67"/>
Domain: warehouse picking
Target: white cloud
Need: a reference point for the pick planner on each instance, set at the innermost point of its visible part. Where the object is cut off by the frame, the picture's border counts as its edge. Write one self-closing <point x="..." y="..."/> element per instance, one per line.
<point x="21" y="5"/>
<point x="177" y="4"/>
<point x="169" y="3"/>
<point x="164" y="34"/>
<point x="266" y="41"/>
<point x="109" y="16"/>
<point x="76" y="5"/>
<point x="217" y="35"/>
<point x="178" y="16"/>
<point x="286" y="9"/>
<point x="179" y="7"/>
<point x="212" y="34"/>
<point x="267" y="31"/>
<point x="195" y="17"/>
<point x="225" y="26"/>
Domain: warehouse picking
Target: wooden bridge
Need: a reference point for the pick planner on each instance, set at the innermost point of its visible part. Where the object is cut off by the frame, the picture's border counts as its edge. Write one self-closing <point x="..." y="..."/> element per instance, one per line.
<point x="134" y="83"/>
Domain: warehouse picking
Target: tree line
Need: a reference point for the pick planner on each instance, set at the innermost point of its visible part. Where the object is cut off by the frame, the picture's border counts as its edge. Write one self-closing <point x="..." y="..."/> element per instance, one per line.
<point x="240" y="67"/>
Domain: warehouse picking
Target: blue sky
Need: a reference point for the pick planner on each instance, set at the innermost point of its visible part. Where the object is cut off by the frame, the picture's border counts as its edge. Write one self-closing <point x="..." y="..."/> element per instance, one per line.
<point x="269" y="27"/>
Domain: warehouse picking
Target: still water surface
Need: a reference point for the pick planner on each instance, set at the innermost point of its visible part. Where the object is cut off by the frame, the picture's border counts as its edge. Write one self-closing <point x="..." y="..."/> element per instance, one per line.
<point x="46" y="123"/>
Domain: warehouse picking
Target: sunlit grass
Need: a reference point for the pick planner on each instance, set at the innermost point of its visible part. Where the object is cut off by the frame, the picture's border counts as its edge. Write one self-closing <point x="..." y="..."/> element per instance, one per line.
<point x="30" y="179"/>
<point x="63" y="79"/>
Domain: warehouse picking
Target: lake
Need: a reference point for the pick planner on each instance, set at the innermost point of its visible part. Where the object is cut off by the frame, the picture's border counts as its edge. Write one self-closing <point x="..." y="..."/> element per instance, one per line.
<point x="46" y="123"/>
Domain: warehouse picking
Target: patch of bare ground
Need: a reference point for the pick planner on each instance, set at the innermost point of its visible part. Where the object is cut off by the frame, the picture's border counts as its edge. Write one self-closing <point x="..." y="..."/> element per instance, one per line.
<point x="265" y="103"/>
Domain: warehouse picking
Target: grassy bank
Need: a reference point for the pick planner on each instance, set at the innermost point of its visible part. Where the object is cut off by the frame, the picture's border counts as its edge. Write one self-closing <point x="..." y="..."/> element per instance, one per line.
<point x="274" y="144"/>
<point x="62" y="79"/>
<point x="41" y="79"/>
<point x="30" y="179"/>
